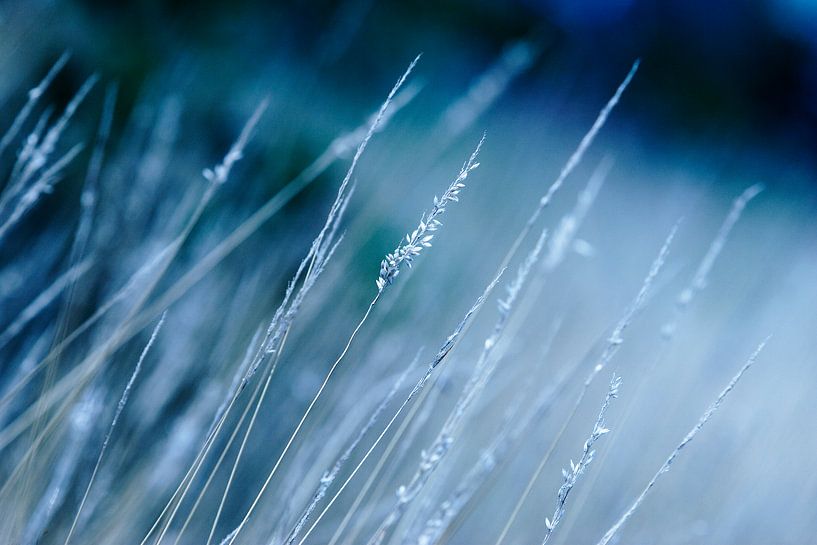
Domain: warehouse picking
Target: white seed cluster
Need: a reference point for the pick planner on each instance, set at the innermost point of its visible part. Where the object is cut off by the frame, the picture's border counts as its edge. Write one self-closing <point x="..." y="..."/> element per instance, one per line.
<point x="422" y="236"/>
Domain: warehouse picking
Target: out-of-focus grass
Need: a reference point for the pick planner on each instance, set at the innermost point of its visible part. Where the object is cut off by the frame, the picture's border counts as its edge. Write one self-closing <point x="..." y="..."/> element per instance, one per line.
<point x="97" y="247"/>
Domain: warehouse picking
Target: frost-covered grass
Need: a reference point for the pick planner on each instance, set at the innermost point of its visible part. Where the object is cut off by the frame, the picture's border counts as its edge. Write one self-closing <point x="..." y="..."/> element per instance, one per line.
<point x="199" y="355"/>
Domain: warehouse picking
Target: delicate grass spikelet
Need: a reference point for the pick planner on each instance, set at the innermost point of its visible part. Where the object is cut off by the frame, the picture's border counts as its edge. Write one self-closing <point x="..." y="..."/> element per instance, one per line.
<point x="432" y="457"/>
<point x="219" y="174"/>
<point x="421" y="237"/>
<point x="689" y="437"/>
<point x="576" y="469"/>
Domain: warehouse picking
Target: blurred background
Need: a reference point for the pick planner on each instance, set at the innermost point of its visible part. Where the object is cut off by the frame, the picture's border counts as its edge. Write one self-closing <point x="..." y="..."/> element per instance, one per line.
<point x="725" y="97"/>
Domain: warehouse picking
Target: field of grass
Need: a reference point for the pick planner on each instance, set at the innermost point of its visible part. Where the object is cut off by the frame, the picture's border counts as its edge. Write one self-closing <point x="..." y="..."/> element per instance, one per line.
<point x="433" y="313"/>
